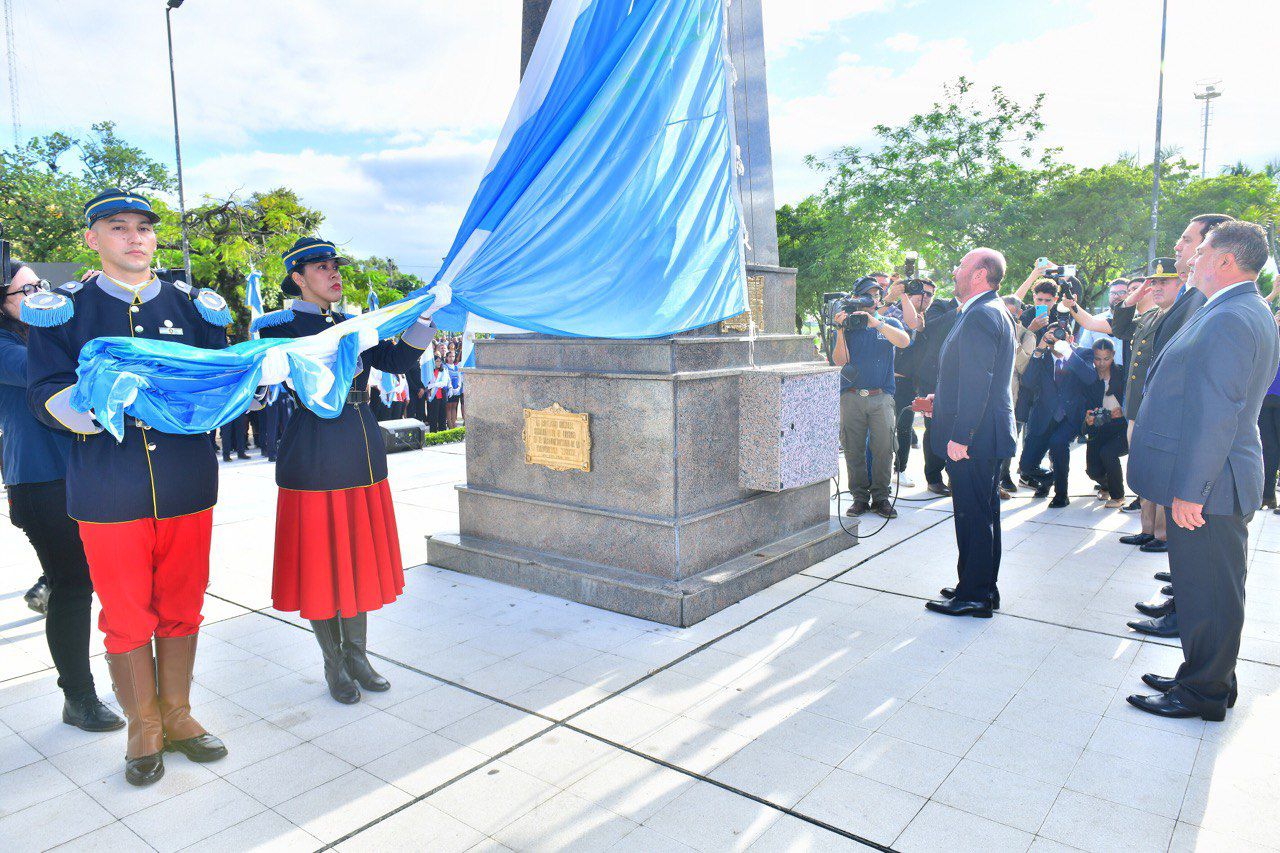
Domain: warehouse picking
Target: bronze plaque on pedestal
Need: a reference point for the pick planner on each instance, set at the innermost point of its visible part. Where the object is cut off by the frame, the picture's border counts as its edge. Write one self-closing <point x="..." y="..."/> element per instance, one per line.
<point x="557" y="439"/>
<point x="741" y="324"/>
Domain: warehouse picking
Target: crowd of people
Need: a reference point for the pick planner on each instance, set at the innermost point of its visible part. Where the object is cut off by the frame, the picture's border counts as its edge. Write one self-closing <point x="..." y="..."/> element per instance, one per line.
<point x="1202" y="353"/>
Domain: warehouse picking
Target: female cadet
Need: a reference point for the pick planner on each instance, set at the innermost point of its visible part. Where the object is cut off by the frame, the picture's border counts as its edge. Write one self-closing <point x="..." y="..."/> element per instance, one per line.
<point x="337" y="551"/>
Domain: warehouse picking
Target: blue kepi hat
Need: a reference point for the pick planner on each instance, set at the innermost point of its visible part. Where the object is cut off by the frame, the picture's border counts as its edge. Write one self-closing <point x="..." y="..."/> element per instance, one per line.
<point x="115" y="201"/>
<point x="304" y="251"/>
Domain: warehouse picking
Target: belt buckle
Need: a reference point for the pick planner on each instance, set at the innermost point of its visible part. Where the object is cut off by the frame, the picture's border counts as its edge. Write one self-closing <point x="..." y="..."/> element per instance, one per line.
<point x="863" y="392"/>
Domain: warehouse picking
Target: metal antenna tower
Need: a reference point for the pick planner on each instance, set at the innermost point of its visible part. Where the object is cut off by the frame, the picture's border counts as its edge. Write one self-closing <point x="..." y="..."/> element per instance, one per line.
<point x="12" y="54"/>
<point x="1207" y="90"/>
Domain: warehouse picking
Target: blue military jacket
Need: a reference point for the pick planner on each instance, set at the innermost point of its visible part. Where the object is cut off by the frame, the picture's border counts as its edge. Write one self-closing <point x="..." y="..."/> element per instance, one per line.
<point x="326" y="454"/>
<point x="150" y="474"/>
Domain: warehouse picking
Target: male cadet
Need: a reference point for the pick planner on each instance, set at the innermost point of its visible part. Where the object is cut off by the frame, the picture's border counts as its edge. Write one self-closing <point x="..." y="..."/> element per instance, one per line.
<point x="144" y="505"/>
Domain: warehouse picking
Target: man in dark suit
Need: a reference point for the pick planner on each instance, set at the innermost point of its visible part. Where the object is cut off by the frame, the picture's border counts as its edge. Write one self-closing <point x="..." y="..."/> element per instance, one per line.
<point x="1061" y="378"/>
<point x="1196" y="450"/>
<point x="973" y="428"/>
<point x="1164" y="617"/>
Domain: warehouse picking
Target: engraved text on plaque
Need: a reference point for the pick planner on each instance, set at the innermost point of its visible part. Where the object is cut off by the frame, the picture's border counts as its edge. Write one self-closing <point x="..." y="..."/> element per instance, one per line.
<point x="755" y="298"/>
<point x="557" y="439"/>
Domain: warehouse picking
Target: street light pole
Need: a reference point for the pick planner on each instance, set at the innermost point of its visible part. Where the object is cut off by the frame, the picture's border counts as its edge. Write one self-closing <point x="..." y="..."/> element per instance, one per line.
<point x="1159" y="155"/>
<point x="177" y="140"/>
<point x="1207" y="91"/>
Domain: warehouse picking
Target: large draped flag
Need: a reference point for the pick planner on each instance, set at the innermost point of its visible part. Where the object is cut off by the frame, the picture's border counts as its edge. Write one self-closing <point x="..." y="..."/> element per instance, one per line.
<point x="610" y="208"/>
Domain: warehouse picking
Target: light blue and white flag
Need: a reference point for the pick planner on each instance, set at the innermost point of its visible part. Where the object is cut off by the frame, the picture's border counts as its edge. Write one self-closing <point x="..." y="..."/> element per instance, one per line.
<point x="610" y="208"/>
<point x="253" y="298"/>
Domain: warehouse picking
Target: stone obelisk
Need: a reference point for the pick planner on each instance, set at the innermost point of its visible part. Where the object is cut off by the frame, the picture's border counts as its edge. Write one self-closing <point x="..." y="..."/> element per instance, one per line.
<point x="664" y="478"/>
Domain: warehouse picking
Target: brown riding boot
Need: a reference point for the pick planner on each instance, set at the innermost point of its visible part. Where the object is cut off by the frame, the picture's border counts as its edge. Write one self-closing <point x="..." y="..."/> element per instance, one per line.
<point x="175" y="664"/>
<point x="133" y="676"/>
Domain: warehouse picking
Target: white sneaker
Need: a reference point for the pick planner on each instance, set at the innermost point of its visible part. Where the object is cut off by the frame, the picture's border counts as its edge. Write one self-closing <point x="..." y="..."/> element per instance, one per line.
<point x="906" y="482"/>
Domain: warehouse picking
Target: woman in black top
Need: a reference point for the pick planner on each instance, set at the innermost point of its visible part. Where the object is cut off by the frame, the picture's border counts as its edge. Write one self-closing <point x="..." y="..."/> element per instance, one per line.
<point x="337" y="550"/>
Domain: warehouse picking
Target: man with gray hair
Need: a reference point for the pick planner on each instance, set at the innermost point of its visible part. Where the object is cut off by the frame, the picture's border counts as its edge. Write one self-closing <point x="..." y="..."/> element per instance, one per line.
<point x="1196" y="450"/>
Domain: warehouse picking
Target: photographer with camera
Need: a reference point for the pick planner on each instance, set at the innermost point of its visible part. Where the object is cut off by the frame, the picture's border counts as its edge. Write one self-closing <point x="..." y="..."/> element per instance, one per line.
<point x="1106" y="430"/>
<point x="907" y="301"/>
<point x="1061" y="376"/>
<point x="864" y="350"/>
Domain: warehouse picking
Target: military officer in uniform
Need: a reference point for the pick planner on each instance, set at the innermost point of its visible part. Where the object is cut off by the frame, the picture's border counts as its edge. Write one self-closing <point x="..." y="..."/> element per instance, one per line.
<point x="337" y="550"/>
<point x="144" y="505"/>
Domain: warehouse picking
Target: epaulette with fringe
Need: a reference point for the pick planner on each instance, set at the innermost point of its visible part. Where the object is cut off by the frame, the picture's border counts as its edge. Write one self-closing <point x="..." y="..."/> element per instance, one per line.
<point x="274" y="318"/>
<point x="50" y="308"/>
<point x="212" y="307"/>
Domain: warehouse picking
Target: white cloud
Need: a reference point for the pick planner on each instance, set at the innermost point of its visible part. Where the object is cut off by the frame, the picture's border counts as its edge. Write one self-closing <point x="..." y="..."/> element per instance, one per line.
<point x="788" y="24"/>
<point x="252" y="66"/>
<point x="903" y="42"/>
<point x="405" y="202"/>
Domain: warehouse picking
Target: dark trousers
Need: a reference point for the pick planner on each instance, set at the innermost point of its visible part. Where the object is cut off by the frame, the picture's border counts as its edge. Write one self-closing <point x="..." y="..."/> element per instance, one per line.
<point x="1102" y="462"/>
<point x="1269" y="426"/>
<point x="270" y="423"/>
<point x="418" y="407"/>
<point x="1005" y="472"/>
<point x="933" y="463"/>
<point x="436" y="415"/>
<point x="235" y="436"/>
<point x="1056" y="441"/>
<point x="975" y="498"/>
<point x="904" y="393"/>
<point x="1208" y="566"/>
<point x="40" y="511"/>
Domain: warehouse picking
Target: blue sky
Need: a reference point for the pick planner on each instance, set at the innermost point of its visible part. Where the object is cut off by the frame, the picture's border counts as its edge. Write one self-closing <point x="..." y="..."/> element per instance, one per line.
<point x="383" y="115"/>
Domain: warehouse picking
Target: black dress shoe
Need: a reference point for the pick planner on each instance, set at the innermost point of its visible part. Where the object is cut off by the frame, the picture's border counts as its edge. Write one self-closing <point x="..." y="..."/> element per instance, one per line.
<point x="1155" y="611"/>
<point x="1042" y="491"/>
<point x="201" y="748"/>
<point x="956" y="607"/>
<point x="1164" y="577"/>
<point x="1167" y="589"/>
<point x="89" y="714"/>
<point x="1058" y="502"/>
<point x="1165" y="626"/>
<point x="242" y="455"/>
<point x="144" y="771"/>
<point x="1169" y="705"/>
<point x="1136" y="539"/>
<point x="1133" y="506"/>
<point x="939" y="489"/>
<point x="949" y="592"/>
<point x="1164" y="685"/>
<point x="858" y="508"/>
<point x="1008" y="485"/>
<point x="1155" y="546"/>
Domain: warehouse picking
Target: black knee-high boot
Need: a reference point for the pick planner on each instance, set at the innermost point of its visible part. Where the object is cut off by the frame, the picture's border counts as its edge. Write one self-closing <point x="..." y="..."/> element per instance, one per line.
<point x="354" y="633"/>
<point x="329" y="636"/>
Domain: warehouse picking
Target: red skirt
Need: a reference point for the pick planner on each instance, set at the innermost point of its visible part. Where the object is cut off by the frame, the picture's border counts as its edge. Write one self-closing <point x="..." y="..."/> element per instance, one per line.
<point x="337" y="553"/>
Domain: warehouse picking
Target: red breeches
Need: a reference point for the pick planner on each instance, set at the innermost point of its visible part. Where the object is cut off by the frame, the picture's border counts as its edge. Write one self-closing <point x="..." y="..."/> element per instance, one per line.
<point x="150" y="576"/>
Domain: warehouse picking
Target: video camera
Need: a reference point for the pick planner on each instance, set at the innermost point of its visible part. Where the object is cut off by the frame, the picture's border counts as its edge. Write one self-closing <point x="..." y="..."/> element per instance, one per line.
<point x="859" y="300"/>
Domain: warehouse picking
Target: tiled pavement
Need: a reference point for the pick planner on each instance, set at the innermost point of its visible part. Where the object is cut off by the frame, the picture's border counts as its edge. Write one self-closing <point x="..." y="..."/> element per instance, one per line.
<point x="826" y="713"/>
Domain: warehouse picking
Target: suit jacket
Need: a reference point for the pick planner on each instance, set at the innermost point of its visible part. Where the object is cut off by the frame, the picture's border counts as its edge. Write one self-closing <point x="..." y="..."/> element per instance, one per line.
<point x="922" y="361"/>
<point x="973" y="403"/>
<point x="1069" y="394"/>
<point x="1196" y="436"/>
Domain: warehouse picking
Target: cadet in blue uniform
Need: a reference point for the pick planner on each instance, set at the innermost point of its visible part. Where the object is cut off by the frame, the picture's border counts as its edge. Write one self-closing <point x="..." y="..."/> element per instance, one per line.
<point x="144" y="505"/>
<point x="337" y="550"/>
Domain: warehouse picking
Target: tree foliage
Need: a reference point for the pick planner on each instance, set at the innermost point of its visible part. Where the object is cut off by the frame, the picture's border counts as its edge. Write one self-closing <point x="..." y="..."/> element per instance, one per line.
<point x="972" y="172"/>
<point x="44" y="184"/>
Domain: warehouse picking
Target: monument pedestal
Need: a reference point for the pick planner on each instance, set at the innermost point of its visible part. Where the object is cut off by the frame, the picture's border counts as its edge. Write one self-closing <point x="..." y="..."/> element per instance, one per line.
<point x="661" y="525"/>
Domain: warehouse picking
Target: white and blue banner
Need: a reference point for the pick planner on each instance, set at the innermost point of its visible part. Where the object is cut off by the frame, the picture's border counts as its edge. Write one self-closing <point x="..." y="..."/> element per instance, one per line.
<point x="610" y="208"/>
